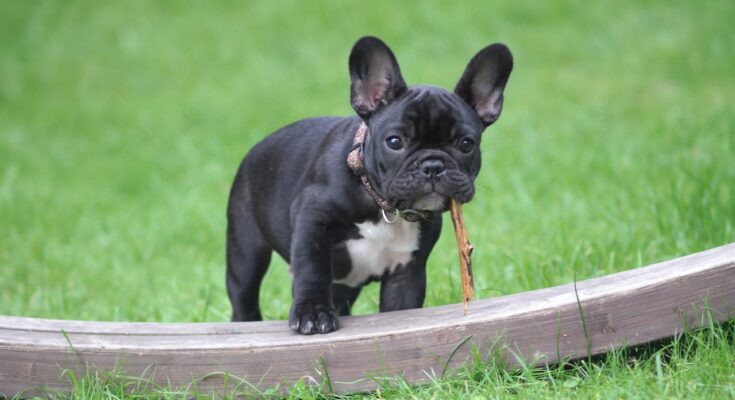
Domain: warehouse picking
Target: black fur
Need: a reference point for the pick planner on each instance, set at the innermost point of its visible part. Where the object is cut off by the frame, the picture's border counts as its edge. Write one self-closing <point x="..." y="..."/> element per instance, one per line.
<point x="295" y="194"/>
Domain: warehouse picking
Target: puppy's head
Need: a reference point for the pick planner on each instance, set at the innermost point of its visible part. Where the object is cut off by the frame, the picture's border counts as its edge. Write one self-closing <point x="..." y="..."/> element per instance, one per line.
<point x="423" y="142"/>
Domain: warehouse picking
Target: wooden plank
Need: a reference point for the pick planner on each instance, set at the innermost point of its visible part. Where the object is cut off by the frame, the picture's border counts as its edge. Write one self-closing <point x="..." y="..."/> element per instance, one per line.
<point x="539" y="326"/>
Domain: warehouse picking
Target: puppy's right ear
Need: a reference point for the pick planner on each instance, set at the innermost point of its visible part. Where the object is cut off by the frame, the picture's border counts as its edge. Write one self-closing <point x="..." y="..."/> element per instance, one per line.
<point x="376" y="77"/>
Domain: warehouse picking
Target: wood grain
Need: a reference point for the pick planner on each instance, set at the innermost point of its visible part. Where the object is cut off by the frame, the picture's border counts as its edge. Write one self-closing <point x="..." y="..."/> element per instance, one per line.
<point x="539" y="327"/>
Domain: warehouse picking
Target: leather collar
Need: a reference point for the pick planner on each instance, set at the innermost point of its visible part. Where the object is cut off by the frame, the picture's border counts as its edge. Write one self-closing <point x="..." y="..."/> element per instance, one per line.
<point x="356" y="162"/>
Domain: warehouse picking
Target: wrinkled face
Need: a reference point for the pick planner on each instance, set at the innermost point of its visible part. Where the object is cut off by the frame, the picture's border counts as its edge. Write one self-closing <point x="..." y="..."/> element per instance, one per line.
<point x="423" y="149"/>
<point x="423" y="142"/>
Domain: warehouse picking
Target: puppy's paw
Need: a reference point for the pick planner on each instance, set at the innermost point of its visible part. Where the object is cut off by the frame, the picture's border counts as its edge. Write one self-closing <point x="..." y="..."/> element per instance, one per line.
<point x="308" y="318"/>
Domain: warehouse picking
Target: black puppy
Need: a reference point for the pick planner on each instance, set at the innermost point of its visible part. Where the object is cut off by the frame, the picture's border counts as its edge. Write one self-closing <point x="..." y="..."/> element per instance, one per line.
<point x="340" y="224"/>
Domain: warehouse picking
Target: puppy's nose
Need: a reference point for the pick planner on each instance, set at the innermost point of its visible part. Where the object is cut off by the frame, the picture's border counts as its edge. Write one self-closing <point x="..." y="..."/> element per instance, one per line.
<point x="432" y="167"/>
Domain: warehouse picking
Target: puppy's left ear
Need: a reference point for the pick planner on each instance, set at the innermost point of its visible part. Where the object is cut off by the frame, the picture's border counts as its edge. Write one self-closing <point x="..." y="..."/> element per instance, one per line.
<point x="482" y="84"/>
<point x="376" y="77"/>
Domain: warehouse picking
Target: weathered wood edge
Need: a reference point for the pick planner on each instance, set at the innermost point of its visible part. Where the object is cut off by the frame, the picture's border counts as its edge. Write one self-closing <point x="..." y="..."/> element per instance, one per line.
<point x="536" y="327"/>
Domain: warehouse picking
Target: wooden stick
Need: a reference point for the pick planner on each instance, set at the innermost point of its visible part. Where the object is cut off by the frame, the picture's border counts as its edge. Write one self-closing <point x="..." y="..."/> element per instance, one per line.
<point x="465" y="253"/>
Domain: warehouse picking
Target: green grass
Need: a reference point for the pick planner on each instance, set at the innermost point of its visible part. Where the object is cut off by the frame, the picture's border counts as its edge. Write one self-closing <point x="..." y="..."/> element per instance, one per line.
<point x="122" y="124"/>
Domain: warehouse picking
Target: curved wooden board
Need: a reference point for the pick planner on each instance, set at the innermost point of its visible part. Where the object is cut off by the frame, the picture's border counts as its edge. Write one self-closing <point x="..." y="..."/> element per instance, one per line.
<point x="536" y="327"/>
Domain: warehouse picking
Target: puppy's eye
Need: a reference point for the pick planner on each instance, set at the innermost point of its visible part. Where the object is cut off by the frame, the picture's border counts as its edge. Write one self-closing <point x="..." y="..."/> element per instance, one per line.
<point x="466" y="145"/>
<point x="394" y="143"/>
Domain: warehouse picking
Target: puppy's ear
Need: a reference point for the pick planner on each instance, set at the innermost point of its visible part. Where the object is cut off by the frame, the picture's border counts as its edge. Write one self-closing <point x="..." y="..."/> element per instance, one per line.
<point x="484" y="79"/>
<point x="376" y="77"/>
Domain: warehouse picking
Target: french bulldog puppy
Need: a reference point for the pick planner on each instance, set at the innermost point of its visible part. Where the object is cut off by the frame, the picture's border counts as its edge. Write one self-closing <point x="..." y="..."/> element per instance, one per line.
<point x="341" y="224"/>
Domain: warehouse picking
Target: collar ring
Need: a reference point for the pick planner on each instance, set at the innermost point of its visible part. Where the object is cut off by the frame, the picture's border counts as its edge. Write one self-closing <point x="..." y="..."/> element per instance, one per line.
<point x="388" y="220"/>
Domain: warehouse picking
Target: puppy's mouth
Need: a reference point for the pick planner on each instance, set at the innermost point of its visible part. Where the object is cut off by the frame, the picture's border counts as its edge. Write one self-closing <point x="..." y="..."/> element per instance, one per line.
<point x="430" y="202"/>
<point x="414" y="191"/>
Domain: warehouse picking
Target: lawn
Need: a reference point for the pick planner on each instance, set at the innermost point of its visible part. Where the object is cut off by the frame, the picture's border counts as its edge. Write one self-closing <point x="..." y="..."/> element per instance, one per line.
<point x="122" y="124"/>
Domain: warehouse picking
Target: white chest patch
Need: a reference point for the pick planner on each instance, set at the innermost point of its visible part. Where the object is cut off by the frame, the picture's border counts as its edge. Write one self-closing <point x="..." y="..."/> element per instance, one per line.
<point x="382" y="248"/>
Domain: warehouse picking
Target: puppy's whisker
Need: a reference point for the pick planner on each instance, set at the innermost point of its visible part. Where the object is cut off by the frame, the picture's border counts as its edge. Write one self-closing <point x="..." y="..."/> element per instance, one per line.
<point x="484" y="188"/>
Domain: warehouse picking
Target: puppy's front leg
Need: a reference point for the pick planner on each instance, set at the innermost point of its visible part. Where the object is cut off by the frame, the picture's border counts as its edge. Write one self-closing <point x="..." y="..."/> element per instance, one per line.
<point x="404" y="288"/>
<point x="311" y="252"/>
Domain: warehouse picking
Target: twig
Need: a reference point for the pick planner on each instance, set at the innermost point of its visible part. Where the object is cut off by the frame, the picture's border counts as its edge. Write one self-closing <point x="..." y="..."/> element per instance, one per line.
<point x="465" y="253"/>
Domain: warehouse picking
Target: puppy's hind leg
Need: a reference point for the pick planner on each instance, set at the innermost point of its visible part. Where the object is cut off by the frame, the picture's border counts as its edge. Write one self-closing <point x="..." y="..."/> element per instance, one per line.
<point x="248" y="256"/>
